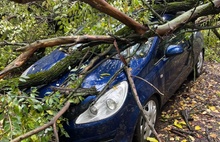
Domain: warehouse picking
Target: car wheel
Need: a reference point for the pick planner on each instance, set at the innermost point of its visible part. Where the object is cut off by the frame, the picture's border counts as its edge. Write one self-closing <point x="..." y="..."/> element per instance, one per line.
<point x="199" y="64"/>
<point x="142" y="129"/>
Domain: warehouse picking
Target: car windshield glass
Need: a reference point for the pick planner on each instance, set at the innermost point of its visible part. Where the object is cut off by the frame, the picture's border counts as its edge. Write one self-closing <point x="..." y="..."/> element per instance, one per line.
<point x="137" y="50"/>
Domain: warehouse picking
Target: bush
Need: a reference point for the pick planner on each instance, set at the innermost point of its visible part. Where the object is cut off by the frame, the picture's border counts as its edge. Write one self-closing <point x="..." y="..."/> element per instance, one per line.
<point x="212" y="49"/>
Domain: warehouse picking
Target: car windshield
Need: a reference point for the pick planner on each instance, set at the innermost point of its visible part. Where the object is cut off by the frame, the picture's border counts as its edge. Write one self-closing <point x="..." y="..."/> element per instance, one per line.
<point x="137" y="50"/>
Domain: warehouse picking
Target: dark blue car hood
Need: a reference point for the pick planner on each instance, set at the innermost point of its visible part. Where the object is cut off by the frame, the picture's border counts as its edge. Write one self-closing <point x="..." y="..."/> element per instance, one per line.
<point x="98" y="77"/>
<point x="103" y="73"/>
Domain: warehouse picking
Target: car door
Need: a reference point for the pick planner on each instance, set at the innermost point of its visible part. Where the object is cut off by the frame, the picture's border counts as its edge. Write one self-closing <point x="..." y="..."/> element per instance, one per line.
<point x="175" y="69"/>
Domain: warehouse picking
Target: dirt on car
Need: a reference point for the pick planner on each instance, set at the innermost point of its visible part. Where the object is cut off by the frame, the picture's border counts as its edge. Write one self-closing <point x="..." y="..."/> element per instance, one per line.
<point x="193" y="113"/>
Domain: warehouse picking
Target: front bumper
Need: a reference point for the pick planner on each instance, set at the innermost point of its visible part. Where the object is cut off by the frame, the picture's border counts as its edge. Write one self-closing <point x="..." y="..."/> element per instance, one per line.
<point x="119" y="127"/>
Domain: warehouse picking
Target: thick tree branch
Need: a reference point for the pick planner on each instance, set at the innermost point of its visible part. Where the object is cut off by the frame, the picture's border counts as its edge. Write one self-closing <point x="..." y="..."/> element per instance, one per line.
<point x="173" y="7"/>
<point x="66" y="40"/>
<point x="77" y="92"/>
<point x="25" y="1"/>
<point x="31" y="48"/>
<point x="216" y="33"/>
<point x="188" y="16"/>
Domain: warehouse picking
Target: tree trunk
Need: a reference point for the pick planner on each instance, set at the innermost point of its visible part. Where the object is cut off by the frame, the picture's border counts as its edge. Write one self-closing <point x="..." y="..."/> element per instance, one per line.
<point x="173" y="7"/>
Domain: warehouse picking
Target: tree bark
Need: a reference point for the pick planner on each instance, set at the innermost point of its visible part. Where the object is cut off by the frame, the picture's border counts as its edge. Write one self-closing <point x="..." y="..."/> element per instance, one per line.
<point x="173" y="7"/>
<point x="191" y="15"/>
<point x="216" y="33"/>
<point x="25" y="1"/>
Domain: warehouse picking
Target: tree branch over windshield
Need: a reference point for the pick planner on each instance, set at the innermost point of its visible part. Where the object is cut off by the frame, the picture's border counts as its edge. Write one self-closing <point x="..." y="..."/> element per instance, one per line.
<point x="28" y="50"/>
<point x="141" y="32"/>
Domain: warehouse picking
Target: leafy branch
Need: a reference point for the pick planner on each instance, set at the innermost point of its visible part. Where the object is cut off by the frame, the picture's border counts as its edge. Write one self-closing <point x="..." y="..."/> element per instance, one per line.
<point x="49" y="124"/>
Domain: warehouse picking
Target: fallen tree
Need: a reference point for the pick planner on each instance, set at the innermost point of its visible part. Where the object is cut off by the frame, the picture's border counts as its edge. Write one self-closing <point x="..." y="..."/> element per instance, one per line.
<point x="141" y="32"/>
<point x="126" y="35"/>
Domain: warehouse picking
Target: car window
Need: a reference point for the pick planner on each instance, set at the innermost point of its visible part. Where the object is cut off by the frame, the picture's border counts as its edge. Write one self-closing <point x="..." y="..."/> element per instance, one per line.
<point x="138" y="50"/>
<point x="161" y="48"/>
<point x="174" y="39"/>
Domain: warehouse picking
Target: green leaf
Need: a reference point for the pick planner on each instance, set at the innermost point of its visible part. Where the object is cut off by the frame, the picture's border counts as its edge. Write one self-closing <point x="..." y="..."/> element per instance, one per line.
<point x="34" y="138"/>
<point x="38" y="107"/>
<point x="22" y="79"/>
<point x="24" y="76"/>
<point x="51" y="112"/>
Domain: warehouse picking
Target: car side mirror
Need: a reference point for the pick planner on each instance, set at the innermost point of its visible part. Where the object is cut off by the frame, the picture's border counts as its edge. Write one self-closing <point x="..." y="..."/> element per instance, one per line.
<point x="173" y="50"/>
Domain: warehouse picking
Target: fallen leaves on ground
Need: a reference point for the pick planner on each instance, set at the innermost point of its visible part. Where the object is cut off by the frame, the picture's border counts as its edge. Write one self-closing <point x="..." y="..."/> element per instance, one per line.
<point x="200" y="100"/>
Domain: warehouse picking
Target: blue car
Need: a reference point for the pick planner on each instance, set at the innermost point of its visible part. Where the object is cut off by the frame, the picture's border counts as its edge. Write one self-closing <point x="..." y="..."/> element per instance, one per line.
<point x="158" y="66"/>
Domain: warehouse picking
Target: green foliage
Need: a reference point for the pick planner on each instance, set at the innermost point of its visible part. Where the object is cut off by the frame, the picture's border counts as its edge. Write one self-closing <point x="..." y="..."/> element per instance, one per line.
<point x="19" y="24"/>
<point x="51" y="18"/>
<point x="212" y="43"/>
<point x="80" y="18"/>
<point x="21" y="112"/>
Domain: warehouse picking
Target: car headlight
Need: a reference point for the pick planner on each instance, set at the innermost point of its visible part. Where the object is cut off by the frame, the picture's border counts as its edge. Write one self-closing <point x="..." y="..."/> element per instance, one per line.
<point x="107" y="105"/>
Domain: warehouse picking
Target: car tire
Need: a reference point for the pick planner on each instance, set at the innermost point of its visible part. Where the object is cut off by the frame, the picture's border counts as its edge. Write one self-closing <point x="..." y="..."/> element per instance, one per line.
<point x="142" y="130"/>
<point x="199" y="65"/>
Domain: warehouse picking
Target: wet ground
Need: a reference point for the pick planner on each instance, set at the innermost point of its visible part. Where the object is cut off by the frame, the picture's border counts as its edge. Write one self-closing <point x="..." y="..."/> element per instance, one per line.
<point x="193" y="114"/>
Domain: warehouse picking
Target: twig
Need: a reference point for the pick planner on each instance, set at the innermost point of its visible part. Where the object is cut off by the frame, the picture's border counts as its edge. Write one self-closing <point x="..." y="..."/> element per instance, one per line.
<point x="11" y="127"/>
<point x="176" y="131"/>
<point x="55" y="132"/>
<point x="185" y="116"/>
<point x="84" y="57"/>
<point x="207" y="134"/>
<point x="108" y="83"/>
<point x="4" y="43"/>
<point x="216" y="33"/>
<point x="148" y="83"/>
<point x="153" y="11"/>
<point x="182" y="131"/>
<point x="199" y="107"/>
<point x="95" y="59"/>
<point x="43" y="127"/>
<point x="134" y="92"/>
<point x="204" y="27"/>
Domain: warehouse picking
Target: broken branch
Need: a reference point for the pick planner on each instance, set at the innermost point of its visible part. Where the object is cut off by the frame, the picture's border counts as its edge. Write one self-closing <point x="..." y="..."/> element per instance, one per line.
<point x="43" y="127"/>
